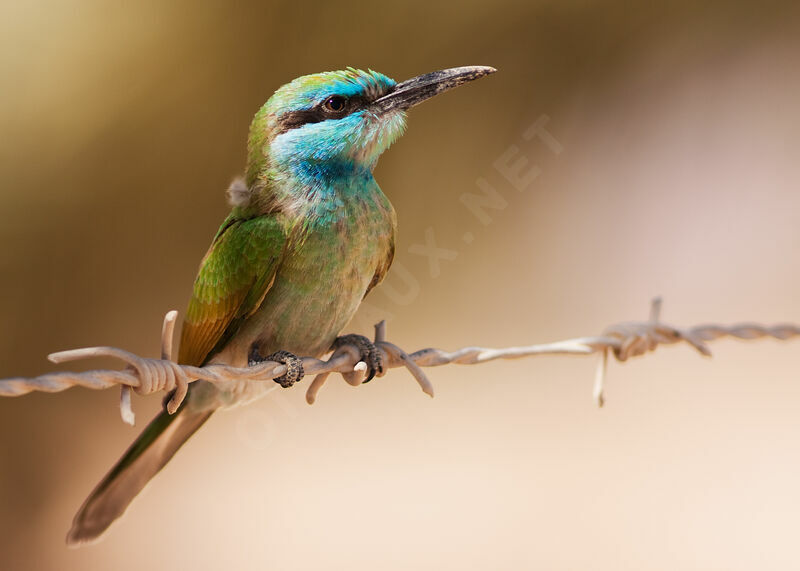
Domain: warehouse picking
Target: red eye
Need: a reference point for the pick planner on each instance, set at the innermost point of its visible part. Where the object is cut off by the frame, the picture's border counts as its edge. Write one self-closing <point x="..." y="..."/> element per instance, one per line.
<point x="335" y="104"/>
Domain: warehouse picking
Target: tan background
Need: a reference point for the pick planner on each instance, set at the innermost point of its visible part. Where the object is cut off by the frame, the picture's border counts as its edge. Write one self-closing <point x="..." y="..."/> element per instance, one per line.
<point x="679" y="176"/>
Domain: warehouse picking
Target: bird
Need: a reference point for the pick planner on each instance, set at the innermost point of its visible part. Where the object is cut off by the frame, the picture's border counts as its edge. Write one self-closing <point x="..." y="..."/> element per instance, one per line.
<point x="308" y="236"/>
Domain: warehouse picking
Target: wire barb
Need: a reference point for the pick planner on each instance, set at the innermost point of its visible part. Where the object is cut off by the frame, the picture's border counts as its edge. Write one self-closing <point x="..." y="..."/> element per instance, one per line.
<point x="147" y="376"/>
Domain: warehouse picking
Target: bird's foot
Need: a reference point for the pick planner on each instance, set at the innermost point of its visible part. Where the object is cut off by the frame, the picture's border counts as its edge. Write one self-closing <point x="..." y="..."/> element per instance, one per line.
<point x="368" y="353"/>
<point x="294" y="365"/>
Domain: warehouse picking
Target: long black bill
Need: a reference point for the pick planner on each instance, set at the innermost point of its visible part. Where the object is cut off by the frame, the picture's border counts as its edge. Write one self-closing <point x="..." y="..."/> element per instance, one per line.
<point x="416" y="90"/>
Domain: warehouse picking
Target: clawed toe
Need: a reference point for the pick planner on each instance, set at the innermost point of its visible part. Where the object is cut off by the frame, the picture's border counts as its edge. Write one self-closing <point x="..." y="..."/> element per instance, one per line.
<point x="368" y="353"/>
<point x="294" y="366"/>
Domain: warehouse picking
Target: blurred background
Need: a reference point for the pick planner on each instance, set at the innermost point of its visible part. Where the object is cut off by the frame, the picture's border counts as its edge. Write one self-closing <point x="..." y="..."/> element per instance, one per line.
<point x="678" y="126"/>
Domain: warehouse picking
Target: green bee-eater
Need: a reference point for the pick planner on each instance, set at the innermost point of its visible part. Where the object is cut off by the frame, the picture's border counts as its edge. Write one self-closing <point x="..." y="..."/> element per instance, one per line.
<point x="309" y="235"/>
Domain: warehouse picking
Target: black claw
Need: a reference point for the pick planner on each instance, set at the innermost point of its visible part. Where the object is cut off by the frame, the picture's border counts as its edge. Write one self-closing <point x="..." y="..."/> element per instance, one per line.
<point x="254" y="357"/>
<point x="368" y="353"/>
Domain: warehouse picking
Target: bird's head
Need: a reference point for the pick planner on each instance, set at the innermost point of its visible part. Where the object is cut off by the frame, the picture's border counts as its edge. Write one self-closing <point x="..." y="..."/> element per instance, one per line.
<point x="338" y="121"/>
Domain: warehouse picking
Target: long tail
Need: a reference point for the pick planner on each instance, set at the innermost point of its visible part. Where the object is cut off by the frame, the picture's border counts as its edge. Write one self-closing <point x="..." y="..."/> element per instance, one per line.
<point x="147" y="455"/>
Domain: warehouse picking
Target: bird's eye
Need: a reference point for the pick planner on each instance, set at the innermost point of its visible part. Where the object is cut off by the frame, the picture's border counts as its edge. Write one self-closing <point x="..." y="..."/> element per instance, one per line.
<point x="335" y="104"/>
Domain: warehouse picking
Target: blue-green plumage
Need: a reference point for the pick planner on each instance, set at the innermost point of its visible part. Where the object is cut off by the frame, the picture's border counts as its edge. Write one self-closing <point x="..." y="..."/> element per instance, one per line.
<point x="309" y="234"/>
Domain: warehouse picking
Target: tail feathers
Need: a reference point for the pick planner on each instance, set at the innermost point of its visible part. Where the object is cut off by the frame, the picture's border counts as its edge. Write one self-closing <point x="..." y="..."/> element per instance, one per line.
<point x="147" y="455"/>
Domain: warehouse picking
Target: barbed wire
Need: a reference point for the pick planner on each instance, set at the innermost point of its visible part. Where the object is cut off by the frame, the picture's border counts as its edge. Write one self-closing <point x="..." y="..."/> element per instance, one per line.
<point x="146" y="376"/>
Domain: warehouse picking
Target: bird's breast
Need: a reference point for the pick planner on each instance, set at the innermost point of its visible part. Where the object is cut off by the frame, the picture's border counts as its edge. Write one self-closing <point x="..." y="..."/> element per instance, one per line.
<point x="331" y="258"/>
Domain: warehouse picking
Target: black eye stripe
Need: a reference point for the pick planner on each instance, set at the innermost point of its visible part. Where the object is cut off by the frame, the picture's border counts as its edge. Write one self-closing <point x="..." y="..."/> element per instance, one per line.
<point x="318" y="113"/>
<point x="294" y="119"/>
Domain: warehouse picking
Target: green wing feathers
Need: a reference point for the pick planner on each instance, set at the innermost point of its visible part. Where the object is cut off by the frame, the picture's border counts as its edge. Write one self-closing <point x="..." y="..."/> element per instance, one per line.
<point x="234" y="277"/>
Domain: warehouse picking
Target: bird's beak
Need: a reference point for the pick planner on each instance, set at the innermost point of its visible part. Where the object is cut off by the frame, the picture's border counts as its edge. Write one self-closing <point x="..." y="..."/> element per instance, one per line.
<point x="416" y="90"/>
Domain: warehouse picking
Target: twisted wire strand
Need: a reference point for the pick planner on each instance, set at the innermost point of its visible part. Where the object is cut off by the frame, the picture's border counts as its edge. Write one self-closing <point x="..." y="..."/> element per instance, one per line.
<point x="147" y="376"/>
